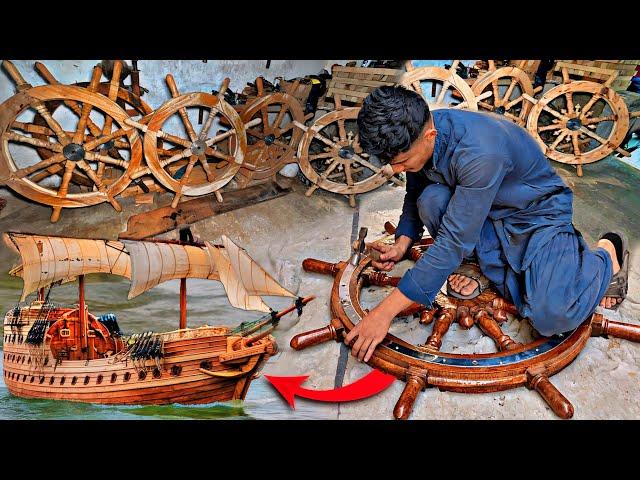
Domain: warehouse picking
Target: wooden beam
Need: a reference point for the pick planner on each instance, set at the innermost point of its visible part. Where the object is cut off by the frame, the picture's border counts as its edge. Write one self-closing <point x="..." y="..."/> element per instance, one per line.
<point x="165" y="219"/>
<point x="373" y="71"/>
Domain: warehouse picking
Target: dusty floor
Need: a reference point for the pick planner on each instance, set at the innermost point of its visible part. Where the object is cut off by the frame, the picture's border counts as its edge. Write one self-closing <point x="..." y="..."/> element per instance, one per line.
<point x="602" y="383"/>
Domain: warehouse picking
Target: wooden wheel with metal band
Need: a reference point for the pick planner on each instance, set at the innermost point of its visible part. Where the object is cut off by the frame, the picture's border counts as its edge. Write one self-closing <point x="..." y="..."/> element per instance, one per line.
<point x="330" y="156"/>
<point x="446" y="80"/>
<point x="420" y="366"/>
<point x="508" y="86"/>
<point x="273" y="143"/>
<point x="565" y="119"/>
<point x="199" y="166"/>
<point x="71" y="148"/>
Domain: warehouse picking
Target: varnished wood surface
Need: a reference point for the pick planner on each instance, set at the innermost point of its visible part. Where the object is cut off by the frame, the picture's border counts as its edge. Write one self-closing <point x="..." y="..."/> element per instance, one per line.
<point x="106" y="381"/>
<point x="164" y="219"/>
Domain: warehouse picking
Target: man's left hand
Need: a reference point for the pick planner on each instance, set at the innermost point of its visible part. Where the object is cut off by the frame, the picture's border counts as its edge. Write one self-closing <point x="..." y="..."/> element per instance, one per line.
<point x="370" y="331"/>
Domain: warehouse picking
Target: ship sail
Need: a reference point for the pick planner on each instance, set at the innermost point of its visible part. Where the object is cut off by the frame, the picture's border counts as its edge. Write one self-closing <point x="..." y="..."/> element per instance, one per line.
<point x="255" y="280"/>
<point x="47" y="259"/>
<point x="153" y="263"/>
<point x="243" y="279"/>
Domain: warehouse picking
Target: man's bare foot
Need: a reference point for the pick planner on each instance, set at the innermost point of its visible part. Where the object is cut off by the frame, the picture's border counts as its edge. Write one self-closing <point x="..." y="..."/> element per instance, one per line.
<point x="462" y="285"/>
<point x="608" y="302"/>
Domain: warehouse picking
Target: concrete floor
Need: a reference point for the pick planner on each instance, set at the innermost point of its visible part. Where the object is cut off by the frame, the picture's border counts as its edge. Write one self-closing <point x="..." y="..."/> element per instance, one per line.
<point x="602" y="383"/>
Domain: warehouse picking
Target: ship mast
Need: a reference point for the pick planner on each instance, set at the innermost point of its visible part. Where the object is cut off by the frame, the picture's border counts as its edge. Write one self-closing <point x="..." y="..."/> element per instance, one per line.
<point x="183" y="303"/>
<point x="185" y="236"/>
<point x="82" y="315"/>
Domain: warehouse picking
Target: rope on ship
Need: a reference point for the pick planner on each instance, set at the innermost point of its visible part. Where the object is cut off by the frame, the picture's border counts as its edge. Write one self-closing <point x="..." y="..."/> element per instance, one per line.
<point x="35" y="337"/>
<point x="143" y="347"/>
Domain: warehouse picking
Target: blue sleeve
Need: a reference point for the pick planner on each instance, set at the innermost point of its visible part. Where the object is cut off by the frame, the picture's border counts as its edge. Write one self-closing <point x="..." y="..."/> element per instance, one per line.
<point x="479" y="180"/>
<point x="410" y="223"/>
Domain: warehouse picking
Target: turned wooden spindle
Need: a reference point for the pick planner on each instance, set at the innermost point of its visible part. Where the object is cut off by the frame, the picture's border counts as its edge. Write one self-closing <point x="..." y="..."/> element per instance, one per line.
<point x="416" y="382"/>
<point x="499" y="316"/>
<point x="554" y="398"/>
<point x="173" y="88"/>
<point x="427" y="316"/>
<point x="501" y="304"/>
<point x="320" y="266"/>
<point x="413" y="309"/>
<point x="465" y="320"/>
<point x="333" y="331"/>
<point x="224" y="87"/>
<point x="390" y="228"/>
<point x="491" y="328"/>
<point x="78" y="136"/>
<point x="260" y="86"/>
<point x="602" y="327"/>
<point x="414" y="254"/>
<point x="440" y="328"/>
<point x="45" y="73"/>
<point x="381" y="279"/>
<point x="15" y="74"/>
<point x="114" y="85"/>
<point x="55" y="214"/>
<point x="171" y="83"/>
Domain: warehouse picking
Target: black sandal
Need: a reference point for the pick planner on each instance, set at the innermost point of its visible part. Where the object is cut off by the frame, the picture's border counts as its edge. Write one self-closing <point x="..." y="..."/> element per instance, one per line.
<point x="469" y="270"/>
<point x="620" y="281"/>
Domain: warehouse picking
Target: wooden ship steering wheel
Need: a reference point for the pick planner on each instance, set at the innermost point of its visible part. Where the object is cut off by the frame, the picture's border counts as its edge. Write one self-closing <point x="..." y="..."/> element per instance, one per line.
<point x="203" y="162"/>
<point x="125" y="98"/>
<point x="420" y="366"/>
<point x="331" y="157"/>
<point x="453" y="91"/>
<point x="508" y="87"/>
<point x="566" y="120"/>
<point x="73" y="153"/>
<point x="273" y="143"/>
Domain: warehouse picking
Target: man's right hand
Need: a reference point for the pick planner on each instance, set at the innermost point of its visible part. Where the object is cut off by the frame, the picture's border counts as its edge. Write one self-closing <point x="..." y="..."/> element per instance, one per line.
<point x="390" y="254"/>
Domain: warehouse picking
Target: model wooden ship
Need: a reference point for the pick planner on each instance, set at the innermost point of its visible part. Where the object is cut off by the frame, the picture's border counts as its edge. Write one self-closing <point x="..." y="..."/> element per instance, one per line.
<point x="67" y="353"/>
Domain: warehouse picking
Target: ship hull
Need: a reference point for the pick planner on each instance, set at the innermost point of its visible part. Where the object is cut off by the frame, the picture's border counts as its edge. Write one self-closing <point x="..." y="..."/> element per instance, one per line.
<point x="190" y="372"/>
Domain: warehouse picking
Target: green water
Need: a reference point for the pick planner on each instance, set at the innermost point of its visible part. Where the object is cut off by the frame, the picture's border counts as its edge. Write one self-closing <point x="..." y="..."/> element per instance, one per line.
<point x="156" y="310"/>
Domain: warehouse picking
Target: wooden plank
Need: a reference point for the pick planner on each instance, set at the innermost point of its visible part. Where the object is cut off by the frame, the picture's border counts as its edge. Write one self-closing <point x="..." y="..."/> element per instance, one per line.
<point x="582" y="68"/>
<point x="165" y="219"/>
<point x="374" y="71"/>
<point x="360" y="81"/>
<point x="352" y="93"/>
<point x="144" y="198"/>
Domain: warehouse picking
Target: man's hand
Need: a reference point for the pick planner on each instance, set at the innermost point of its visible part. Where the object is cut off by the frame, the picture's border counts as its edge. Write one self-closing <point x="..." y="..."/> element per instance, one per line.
<point x="390" y="254"/>
<point x="371" y="330"/>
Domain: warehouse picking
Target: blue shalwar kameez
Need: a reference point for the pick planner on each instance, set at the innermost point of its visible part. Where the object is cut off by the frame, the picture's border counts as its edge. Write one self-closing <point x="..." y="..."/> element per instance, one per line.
<point x="489" y="190"/>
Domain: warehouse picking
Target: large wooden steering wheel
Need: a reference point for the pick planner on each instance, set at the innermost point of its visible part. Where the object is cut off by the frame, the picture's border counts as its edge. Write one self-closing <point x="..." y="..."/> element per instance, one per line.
<point x="514" y="364"/>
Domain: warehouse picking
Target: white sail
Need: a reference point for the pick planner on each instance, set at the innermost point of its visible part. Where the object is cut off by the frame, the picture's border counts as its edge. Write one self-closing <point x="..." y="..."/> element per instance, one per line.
<point x="236" y="293"/>
<point x="153" y="263"/>
<point x="254" y="278"/>
<point x="47" y="259"/>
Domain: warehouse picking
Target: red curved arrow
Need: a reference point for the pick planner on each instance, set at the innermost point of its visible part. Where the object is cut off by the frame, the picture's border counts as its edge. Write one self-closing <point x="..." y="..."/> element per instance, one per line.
<point x="372" y="383"/>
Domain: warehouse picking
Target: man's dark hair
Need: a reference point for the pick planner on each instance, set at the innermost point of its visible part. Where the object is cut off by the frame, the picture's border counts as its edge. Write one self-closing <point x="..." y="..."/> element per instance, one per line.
<point x="390" y="120"/>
